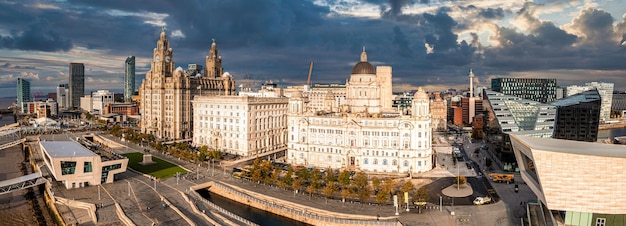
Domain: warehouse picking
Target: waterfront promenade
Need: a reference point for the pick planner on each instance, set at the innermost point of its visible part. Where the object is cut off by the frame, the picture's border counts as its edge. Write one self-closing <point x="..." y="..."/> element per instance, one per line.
<point x="143" y="195"/>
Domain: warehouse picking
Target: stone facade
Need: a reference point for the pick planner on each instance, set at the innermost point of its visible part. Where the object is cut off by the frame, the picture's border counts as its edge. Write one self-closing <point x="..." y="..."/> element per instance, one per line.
<point x="363" y="134"/>
<point x="241" y="125"/>
<point x="166" y="93"/>
<point x="439" y="113"/>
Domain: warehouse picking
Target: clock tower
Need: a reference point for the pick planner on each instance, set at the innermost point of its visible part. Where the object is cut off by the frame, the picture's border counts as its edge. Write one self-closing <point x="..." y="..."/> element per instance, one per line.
<point x="162" y="63"/>
<point x="213" y="63"/>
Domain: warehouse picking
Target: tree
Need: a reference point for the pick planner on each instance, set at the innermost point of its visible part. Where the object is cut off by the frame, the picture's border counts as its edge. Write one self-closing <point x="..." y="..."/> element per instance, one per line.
<point x="345" y="192"/>
<point x="389" y="185"/>
<point x="382" y="197"/>
<point x="311" y="189"/>
<point x="460" y="180"/>
<point x="297" y="183"/>
<point x="330" y="177"/>
<point x="344" y="178"/>
<point x="303" y="174"/>
<point x="364" y="193"/>
<point x="316" y="178"/>
<point x="288" y="177"/>
<point x="421" y="196"/>
<point x="360" y="180"/>
<point x="376" y="184"/>
<point x="329" y="189"/>
<point x="408" y="186"/>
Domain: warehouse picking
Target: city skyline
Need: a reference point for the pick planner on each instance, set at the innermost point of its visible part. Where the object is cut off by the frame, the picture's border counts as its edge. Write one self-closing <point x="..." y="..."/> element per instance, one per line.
<point x="428" y="43"/>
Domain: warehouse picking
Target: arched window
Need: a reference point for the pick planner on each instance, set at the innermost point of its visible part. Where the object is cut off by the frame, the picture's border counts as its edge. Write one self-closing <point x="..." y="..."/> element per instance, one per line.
<point x="384" y="162"/>
<point x="406" y="163"/>
<point x="394" y="162"/>
<point x="375" y="161"/>
<point x="365" y="161"/>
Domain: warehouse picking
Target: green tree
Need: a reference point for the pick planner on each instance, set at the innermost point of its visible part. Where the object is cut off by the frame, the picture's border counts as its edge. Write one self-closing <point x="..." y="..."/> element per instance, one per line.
<point x="344" y="178"/>
<point x="275" y="176"/>
<point x="316" y="179"/>
<point x="420" y="197"/>
<point x="288" y="177"/>
<point x="330" y="176"/>
<point x="364" y="193"/>
<point x="360" y="180"/>
<point x="303" y="174"/>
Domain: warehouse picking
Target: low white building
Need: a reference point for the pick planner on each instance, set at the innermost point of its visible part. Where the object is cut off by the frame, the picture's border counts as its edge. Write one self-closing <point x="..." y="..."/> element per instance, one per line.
<point x="100" y="99"/>
<point x="76" y="166"/>
<point x="240" y="125"/>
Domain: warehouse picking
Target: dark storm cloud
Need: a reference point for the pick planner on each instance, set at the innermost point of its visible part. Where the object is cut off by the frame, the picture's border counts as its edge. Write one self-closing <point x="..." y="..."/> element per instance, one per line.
<point x="39" y="36"/>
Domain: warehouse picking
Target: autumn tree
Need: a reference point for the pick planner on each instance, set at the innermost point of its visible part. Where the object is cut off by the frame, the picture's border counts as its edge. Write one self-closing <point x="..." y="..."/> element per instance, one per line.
<point x="329" y="189"/>
<point x="344" y="178"/>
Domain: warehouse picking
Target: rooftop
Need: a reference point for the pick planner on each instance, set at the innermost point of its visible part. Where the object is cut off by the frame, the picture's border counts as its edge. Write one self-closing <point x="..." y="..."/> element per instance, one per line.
<point x="572" y="147"/>
<point x="61" y="149"/>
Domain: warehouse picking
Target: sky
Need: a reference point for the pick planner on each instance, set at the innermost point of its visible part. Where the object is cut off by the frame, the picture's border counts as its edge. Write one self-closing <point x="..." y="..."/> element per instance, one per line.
<point x="429" y="43"/>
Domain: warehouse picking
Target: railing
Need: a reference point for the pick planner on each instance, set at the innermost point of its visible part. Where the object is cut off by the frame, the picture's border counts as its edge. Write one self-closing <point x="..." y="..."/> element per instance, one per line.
<point x="304" y="213"/>
<point x="197" y="196"/>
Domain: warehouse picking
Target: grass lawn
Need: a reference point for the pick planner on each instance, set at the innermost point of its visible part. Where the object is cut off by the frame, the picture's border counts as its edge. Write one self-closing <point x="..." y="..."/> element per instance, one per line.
<point x="160" y="169"/>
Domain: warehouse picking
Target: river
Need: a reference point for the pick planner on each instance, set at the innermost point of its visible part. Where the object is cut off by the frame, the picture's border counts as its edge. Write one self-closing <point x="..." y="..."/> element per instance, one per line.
<point x="255" y="215"/>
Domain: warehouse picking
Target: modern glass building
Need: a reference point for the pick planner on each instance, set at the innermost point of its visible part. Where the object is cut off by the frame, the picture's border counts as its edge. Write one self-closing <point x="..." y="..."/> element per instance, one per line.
<point x="540" y="90"/>
<point x="77" y="84"/>
<point x="578" y="116"/>
<point x="129" y="78"/>
<point x="23" y="92"/>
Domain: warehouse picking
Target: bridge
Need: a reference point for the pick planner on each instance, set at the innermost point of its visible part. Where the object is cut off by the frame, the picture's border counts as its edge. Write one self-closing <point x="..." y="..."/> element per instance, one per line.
<point x="10" y="136"/>
<point x="22" y="182"/>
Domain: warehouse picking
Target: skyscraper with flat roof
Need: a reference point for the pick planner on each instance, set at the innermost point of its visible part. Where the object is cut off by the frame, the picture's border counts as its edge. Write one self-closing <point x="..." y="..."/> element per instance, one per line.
<point x="77" y="84"/>
<point x="536" y="89"/>
<point x="23" y="92"/>
<point x="129" y="78"/>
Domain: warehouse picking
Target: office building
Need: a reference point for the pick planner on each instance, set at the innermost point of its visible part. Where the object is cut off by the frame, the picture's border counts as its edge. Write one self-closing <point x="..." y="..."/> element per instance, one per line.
<point x="128" y="109"/>
<point x="100" y="99"/>
<point x="166" y="92"/>
<point x="129" y="78"/>
<point x="618" y="104"/>
<point x="23" y="92"/>
<point x="240" y="125"/>
<point x="86" y="103"/>
<point x="63" y="95"/>
<point x="77" y="84"/>
<point x="606" y="92"/>
<point x="365" y="133"/>
<point x="578" y="116"/>
<point x="535" y="89"/>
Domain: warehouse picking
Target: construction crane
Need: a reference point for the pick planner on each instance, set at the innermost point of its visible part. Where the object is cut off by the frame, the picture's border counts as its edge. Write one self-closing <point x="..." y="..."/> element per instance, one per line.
<point x="308" y="80"/>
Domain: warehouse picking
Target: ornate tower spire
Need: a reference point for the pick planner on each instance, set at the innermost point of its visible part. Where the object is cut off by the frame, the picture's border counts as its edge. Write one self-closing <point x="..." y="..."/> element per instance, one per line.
<point x="363" y="55"/>
<point x="213" y="68"/>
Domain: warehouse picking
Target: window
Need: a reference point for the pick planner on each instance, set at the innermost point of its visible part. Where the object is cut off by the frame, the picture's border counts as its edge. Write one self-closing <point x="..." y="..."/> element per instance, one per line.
<point x="384" y="162"/>
<point x="375" y="161"/>
<point x="406" y="163"/>
<point x="394" y="162"/>
<point x="87" y="167"/>
<point x="68" y="167"/>
<point x="365" y="161"/>
<point x="600" y="221"/>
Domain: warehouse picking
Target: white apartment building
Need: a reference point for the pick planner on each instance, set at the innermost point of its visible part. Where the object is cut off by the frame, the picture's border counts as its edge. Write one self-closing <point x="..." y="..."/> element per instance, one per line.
<point x="100" y="99"/>
<point x="240" y="125"/>
<point x="365" y="133"/>
<point x="606" y="94"/>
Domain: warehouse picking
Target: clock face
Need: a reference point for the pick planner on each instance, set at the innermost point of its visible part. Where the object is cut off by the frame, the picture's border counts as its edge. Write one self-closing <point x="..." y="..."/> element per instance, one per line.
<point x="158" y="58"/>
<point x="167" y="59"/>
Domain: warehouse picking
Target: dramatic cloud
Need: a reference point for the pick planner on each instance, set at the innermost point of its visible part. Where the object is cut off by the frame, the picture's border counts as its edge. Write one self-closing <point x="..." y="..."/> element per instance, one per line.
<point x="428" y="43"/>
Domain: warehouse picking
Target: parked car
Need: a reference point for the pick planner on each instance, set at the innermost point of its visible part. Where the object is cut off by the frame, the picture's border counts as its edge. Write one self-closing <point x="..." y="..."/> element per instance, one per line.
<point x="482" y="200"/>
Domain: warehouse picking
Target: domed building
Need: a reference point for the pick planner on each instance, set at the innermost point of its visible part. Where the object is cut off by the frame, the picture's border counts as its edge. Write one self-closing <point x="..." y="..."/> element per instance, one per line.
<point x="365" y="133"/>
<point x="166" y="92"/>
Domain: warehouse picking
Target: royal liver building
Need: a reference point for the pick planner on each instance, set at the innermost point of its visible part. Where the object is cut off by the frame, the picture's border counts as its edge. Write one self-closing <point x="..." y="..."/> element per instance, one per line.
<point x="166" y="92"/>
<point x="365" y="133"/>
